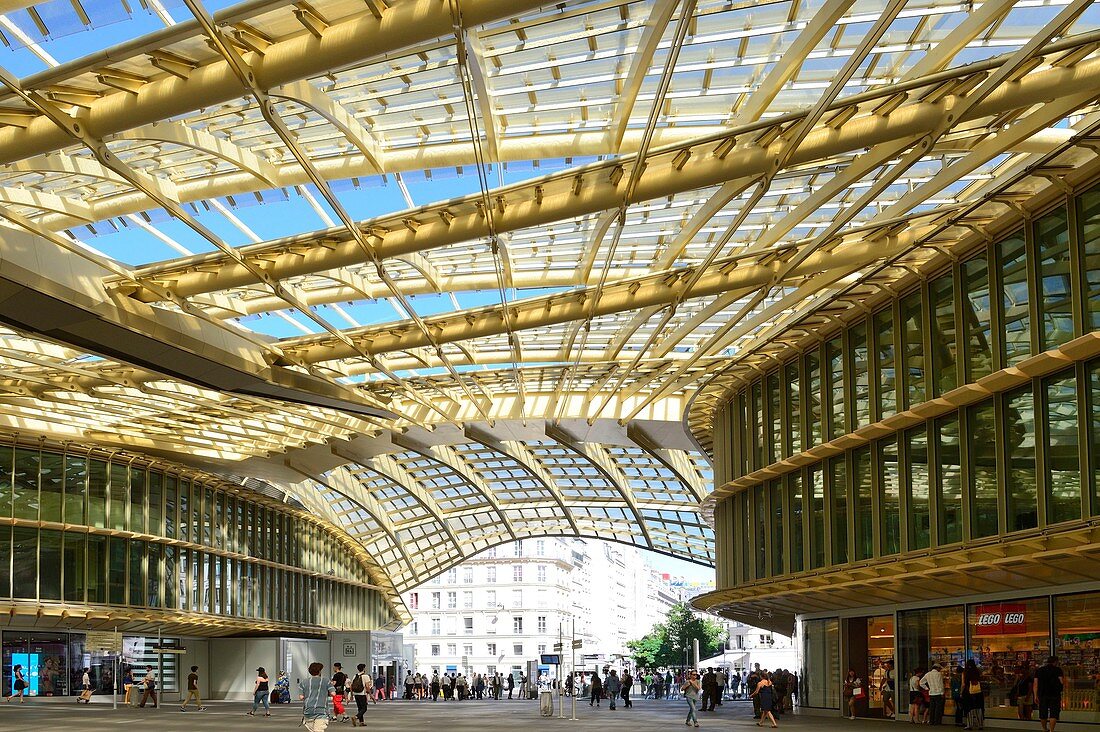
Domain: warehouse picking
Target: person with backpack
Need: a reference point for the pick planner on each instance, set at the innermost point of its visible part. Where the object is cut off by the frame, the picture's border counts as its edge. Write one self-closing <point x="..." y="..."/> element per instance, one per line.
<point x="360" y="692"/>
<point x="315" y="693"/>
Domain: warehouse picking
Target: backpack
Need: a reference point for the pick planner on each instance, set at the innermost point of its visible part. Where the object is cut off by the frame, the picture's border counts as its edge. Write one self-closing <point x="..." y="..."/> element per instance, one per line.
<point x="357" y="686"/>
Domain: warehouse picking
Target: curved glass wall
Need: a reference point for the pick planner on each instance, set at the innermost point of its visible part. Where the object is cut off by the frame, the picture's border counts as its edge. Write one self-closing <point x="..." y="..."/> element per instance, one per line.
<point x="1021" y="460"/>
<point x="84" y="527"/>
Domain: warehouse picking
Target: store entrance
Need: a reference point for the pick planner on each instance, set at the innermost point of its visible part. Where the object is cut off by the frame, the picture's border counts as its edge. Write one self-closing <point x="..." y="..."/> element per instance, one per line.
<point x="870" y="653"/>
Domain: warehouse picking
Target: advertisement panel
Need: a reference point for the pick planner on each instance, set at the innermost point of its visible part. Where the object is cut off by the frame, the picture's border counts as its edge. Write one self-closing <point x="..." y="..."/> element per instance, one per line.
<point x="1002" y="618"/>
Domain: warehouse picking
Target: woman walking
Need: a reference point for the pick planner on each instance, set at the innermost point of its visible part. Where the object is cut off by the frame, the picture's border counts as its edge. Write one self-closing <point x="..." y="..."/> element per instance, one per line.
<point x="260" y="693"/>
<point x="691" y="690"/>
<point x="766" y="692"/>
<point x="18" y="686"/>
<point x="853" y="692"/>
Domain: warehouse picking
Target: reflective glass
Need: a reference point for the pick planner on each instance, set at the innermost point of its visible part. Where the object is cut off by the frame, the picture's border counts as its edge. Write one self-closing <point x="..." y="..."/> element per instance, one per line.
<point x="813" y="398"/>
<point x="52" y="483"/>
<point x="153" y="575"/>
<point x="817" y="518"/>
<point x="1094" y="434"/>
<point x="7" y="489"/>
<point x="97" y="569"/>
<point x="49" y="565"/>
<point x="97" y="493"/>
<point x="1020" y="453"/>
<point x="119" y="487"/>
<point x="794" y="482"/>
<point x="137" y="572"/>
<point x="24" y="572"/>
<point x="912" y="348"/>
<point x="772" y="438"/>
<point x="136" y="521"/>
<point x="761" y="528"/>
<point x="861" y="398"/>
<point x="949" y="480"/>
<point x="76" y="488"/>
<point x="1012" y="257"/>
<point x="838" y="496"/>
<point x="25" y="481"/>
<point x="885" y="373"/>
<point x="1088" y="216"/>
<point x="116" y="571"/>
<point x="794" y="442"/>
<point x="941" y="292"/>
<point x="864" y="514"/>
<point x="982" y="455"/>
<point x="1055" y="304"/>
<point x="890" y="496"/>
<point x="1063" y="463"/>
<point x="977" y="318"/>
<point x="834" y="359"/>
<point x="73" y="566"/>
<point x="1026" y="643"/>
<point x="1077" y="627"/>
<point x="916" y="443"/>
<point x="5" y="561"/>
<point x="775" y="516"/>
<point x="156" y="501"/>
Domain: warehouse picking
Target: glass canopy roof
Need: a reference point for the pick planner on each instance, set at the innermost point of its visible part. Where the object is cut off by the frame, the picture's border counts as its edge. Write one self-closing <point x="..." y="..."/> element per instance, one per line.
<point x="509" y="248"/>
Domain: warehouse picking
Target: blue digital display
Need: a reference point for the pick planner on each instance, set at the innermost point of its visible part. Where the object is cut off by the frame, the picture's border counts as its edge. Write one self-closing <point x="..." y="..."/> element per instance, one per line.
<point x="29" y="662"/>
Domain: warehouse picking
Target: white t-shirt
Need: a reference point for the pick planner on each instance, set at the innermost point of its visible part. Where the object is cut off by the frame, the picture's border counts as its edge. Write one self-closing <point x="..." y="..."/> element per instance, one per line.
<point x="933" y="681"/>
<point x="914" y="683"/>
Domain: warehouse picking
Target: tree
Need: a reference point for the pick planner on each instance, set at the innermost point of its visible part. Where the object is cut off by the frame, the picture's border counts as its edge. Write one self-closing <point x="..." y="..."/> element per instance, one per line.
<point x="666" y="643"/>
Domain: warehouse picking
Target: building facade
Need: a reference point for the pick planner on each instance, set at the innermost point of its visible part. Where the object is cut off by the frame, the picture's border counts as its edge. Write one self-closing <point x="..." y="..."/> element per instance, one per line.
<point x="922" y="482"/>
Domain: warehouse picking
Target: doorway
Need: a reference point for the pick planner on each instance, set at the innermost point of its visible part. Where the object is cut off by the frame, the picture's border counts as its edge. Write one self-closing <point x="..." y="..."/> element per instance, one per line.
<point x="870" y="653"/>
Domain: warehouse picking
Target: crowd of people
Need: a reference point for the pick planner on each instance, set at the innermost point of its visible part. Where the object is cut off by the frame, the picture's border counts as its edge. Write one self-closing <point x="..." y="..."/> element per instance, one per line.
<point x="460" y="687"/>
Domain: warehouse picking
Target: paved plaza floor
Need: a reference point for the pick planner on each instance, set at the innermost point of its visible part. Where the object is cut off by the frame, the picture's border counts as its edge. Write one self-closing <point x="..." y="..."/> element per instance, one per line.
<point x="471" y="716"/>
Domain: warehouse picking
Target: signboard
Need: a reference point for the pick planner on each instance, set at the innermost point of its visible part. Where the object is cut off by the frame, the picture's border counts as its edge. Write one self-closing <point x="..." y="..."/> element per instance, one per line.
<point x="104" y="642"/>
<point x="1003" y="618"/>
<point x="577" y="644"/>
<point x="350" y="650"/>
<point x="557" y="646"/>
<point x="548" y="659"/>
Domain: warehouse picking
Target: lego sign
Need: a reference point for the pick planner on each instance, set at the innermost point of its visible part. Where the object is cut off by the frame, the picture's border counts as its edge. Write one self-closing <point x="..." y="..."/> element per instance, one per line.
<point x="1003" y="618"/>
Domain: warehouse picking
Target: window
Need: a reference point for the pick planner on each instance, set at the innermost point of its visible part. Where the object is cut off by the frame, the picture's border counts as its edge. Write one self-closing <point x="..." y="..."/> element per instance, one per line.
<point x="949" y="483"/>
<point x="913" y="367"/>
<point x="452" y="649"/>
<point x="1063" y="465"/>
<point x="435" y="649"/>
<point x="492" y="669"/>
<point x="414" y="630"/>
<point x="468" y="649"/>
<point x="795" y="486"/>
<point x="542" y="648"/>
<point x="889" y="496"/>
<point x="490" y="574"/>
<point x="541" y="623"/>
<point x="517" y="598"/>
<point x="792" y="435"/>
<point x="542" y="573"/>
<point x="838" y="491"/>
<point x="517" y="572"/>
<point x="467" y="599"/>
<point x="468" y="575"/>
<point x="517" y="549"/>
<point x="1019" y="416"/>
<point x="976" y="319"/>
<point x="491" y="598"/>
<point x="541" y="599"/>
<point x="517" y="624"/>
<point x="984" y="495"/>
<point x="435" y="601"/>
<point x="491" y="649"/>
<point x="435" y="626"/>
<point x="414" y="600"/>
<point x="916" y="444"/>
<point x="452" y="600"/>
<point x="540" y="548"/>
<point x="517" y="650"/>
<point x="1015" y="312"/>
<point x="468" y="626"/>
<point x="1055" y="300"/>
<point x="452" y="576"/>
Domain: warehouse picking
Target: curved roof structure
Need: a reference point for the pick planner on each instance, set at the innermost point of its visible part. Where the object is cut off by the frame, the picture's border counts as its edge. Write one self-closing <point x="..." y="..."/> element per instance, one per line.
<point x="457" y="269"/>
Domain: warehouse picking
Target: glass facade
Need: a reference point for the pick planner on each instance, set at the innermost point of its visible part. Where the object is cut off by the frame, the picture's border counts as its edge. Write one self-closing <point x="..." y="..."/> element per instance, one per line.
<point x="86" y="528"/>
<point x="1011" y="462"/>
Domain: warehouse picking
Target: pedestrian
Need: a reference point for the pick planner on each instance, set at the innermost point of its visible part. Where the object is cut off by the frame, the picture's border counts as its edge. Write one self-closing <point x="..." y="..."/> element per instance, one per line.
<point x="1048" y="693"/>
<point x="889" y="685"/>
<point x="360" y="692"/>
<point x="19" y="686"/>
<point x="1023" y="694"/>
<point x="613" y="687"/>
<point x="779" y="688"/>
<point x="956" y="689"/>
<point x="932" y="682"/>
<point x="86" y="688"/>
<point x="379" y="687"/>
<point x="339" y="682"/>
<point x="148" y="687"/>
<point x="766" y="693"/>
<point x="260" y="693"/>
<point x="710" y="684"/>
<point x="597" y="690"/>
<point x="750" y="684"/>
<point x="193" y="690"/>
<point x="853" y="693"/>
<point x="973" y="696"/>
<point x="916" y="697"/>
<point x="691" y="690"/>
<point x="434" y="687"/>
<point x="627" y="682"/>
<point x="128" y="686"/>
<point x="315" y="693"/>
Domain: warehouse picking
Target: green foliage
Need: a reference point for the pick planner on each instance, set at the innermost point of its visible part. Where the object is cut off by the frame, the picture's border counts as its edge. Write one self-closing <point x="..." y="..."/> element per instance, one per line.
<point x="665" y="644"/>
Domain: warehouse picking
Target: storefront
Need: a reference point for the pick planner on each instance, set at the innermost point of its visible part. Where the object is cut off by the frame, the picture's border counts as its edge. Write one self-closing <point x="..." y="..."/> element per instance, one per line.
<point x="1007" y="637"/>
<point x="53" y="663"/>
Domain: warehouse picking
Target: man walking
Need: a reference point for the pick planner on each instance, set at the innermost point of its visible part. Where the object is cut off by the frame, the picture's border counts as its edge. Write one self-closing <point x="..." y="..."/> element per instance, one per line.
<point x="933" y="683"/>
<point x="316" y="693"/>
<point x="627" y="682"/>
<point x="1048" y="687"/>
<point x="149" y="688"/>
<point x="710" y="684"/>
<point x="193" y="690"/>
<point x="613" y="686"/>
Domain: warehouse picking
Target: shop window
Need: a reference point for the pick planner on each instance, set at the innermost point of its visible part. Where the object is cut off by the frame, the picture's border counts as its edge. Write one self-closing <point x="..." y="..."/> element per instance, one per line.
<point x="889" y="496"/>
<point x="1077" y="645"/>
<point x="1015" y="313"/>
<point x="820" y="680"/>
<point x="914" y="366"/>
<point x="916" y="453"/>
<point x="1062" y="482"/>
<point x="1005" y="636"/>
<point x="982" y="456"/>
<point x="1019" y="432"/>
<point x="1055" y="301"/>
<point x="949" y="480"/>
<point x="977" y="319"/>
<point x="885" y="371"/>
<point x="928" y="636"/>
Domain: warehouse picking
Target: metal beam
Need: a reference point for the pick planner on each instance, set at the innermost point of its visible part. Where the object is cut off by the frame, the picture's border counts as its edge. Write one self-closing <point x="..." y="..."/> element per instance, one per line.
<point x="640" y="61"/>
